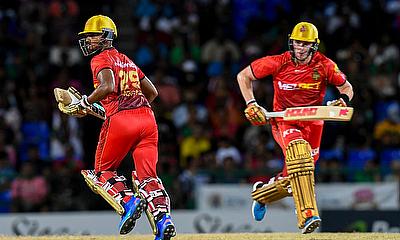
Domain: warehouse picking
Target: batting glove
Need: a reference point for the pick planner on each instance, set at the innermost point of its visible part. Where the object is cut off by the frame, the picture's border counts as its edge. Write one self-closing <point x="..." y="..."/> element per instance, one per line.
<point x="343" y="101"/>
<point x="256" y="114"/>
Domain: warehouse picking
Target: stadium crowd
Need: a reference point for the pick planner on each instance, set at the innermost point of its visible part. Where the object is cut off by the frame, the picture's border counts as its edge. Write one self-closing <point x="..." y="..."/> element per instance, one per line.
<point x="192" y="51"/>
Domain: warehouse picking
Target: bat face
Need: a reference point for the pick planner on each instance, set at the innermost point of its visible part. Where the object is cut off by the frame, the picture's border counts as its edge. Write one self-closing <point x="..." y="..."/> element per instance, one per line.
<point x="301" y="112"/>
<point x="327" y="113"/>
<point x="62" y="96"/>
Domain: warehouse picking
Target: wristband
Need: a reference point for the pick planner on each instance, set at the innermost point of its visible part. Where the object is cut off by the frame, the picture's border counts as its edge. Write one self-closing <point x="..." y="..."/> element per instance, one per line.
<point x="85" y="102"/>
<point x="250" y="101"/>
<point x="345" y="98"/>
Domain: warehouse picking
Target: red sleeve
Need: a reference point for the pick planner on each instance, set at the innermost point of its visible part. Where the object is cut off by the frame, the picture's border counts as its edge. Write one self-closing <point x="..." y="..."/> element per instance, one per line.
<point x="265" y="66"/>
<point x="335" y="76"/>
<point x="97" y="64"/>
<point x="140" y="73"/>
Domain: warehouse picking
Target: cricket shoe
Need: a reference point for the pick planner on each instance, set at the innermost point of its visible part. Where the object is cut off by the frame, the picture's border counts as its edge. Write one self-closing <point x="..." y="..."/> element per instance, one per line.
<point x="258" y="210"/>
<point x="165" y="228"/>
<point x="133" y="210"/>
<point x="311" y="224"/>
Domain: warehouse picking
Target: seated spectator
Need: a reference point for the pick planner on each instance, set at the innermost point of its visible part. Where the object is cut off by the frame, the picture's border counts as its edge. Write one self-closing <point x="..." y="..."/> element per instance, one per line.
<point x="189" y="180"/>
<point x="387" y="132"/>
<point x="370" y="172"/>
<point x="394" y="175"/>
<point x="230" y="172"/>
<point x="194" y="145"/>
<point x="227" y="150"/>
<point x="29" y="191"/>
<point x="330" y="171"/>
<point x="181" y="114"/>
<point x="7" y="175"/>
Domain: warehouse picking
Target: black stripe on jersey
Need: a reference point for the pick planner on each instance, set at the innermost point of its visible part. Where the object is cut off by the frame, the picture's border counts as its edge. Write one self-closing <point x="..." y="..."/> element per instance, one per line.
<point x="251" y="68"/>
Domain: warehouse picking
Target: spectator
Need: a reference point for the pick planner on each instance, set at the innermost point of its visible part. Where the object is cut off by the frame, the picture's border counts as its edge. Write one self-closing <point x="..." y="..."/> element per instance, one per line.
<point x="7" y="175"/>
<point x="387" y="132"/>
<point x="227" y="150"/>
<point x="29" y="190"/>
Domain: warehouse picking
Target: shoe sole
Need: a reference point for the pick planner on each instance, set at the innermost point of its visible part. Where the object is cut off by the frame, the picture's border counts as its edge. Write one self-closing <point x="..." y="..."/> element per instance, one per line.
<point x="129" y="224"/>
<point x="252" y="212"/>
<point x="169" y="232"/>
<point x="314" y="224"/>
<point x="256" y="185"/>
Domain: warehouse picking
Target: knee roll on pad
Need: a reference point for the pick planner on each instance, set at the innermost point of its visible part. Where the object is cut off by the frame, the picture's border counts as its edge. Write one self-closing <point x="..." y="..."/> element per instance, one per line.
<point x="110" y="186"/>
<point x="272" y="192"/>
<point x="300" y="168"/>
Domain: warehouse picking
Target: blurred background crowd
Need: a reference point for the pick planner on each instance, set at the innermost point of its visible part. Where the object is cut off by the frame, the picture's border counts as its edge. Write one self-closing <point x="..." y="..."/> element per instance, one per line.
<point x="192" y="51"/>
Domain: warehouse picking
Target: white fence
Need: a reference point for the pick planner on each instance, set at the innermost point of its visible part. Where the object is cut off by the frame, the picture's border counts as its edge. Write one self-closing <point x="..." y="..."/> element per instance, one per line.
<point x="221" y="208"/>
<point x="105" y="223"/>
<point x="343" y="196"/>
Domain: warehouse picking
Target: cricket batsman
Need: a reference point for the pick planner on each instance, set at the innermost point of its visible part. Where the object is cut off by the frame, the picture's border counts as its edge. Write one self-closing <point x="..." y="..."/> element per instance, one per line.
<point x="125" y="93"/>
<point x="300" y="78"/>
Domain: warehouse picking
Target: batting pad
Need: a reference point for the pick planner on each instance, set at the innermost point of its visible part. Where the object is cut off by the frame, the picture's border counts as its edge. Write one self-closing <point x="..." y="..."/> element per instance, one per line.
<point x="272" y="192"/>
<point x="150" y="217"/>
<point x="95" y="185"/>
<point x="300" y="167"/>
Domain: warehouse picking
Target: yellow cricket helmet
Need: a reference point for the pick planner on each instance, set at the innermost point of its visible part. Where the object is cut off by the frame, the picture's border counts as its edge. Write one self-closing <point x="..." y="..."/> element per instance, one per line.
<point x="101" y="24"/>
<point x="98" y="24"/>
<point x="305" y="31"/>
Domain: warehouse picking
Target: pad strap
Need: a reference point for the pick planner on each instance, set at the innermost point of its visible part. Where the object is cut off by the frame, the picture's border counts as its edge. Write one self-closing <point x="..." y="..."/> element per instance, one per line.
<point x="300" y="168"/>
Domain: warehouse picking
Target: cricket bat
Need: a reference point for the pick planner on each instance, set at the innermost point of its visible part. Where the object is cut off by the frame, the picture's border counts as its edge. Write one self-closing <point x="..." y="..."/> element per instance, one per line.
<point x="72" y="96"/>
<point x="326" y="113"/>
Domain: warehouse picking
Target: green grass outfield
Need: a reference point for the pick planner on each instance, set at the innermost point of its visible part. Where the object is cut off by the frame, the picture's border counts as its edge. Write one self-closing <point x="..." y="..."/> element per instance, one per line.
<point x="229" y="236"/>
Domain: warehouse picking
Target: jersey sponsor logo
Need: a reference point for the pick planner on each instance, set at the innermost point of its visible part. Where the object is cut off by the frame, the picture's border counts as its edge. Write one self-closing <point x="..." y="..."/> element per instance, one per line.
<point x="290" y="131"/>
<point x="299" y="86"/>
<point x="124" y="64"/>
<point x="297" y="112"/>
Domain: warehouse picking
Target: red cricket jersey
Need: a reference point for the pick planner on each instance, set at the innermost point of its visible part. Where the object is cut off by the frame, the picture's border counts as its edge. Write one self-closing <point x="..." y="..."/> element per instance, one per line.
<point x="298" y="85"/>
<point x="127" y="92"/>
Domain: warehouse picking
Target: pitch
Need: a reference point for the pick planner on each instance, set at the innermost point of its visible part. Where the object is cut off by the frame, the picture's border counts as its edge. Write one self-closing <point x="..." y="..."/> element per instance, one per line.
<point x="230" y="236"/>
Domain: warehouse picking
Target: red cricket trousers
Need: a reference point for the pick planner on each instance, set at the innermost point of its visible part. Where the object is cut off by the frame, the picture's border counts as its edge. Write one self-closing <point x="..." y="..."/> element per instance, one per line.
<point x="132" y="129"/>
<point x="286" y="131"/>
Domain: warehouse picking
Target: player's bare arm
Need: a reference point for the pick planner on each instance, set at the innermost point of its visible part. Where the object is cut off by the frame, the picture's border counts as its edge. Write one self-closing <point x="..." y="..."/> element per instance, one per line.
<point x="245" y="78"/>
<point x="253" y="112"/>
<point x="346" y="89"/>
<point x="106" y="86"/>
<point x="346" y="94"/>
<point x="148" y="89"/>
